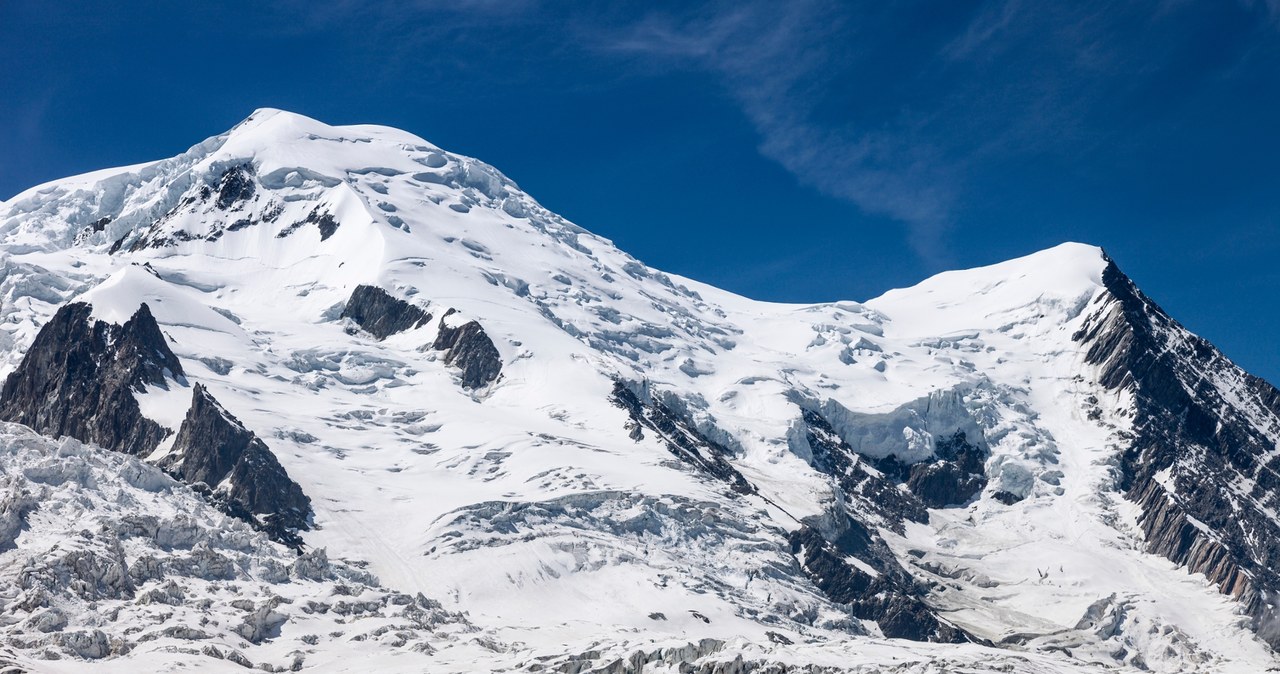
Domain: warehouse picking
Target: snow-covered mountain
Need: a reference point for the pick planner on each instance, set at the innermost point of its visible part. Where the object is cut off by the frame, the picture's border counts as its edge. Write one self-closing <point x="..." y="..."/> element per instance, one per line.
<point x="340" y="400"/>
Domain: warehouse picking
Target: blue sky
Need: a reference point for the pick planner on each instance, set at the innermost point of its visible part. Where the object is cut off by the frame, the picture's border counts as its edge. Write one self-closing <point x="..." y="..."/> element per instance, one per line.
<point x="796" y="151"/>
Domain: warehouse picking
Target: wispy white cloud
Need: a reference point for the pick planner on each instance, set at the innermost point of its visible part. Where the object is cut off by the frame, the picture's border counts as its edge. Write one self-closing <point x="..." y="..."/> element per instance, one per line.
<point x="782" y="62"/>
<point x="898" y="107"/>
<point x="950" y="94"/>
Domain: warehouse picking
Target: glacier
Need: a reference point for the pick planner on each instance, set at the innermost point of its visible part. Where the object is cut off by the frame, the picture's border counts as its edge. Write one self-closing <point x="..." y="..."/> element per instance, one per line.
<point x="525" y="450"/>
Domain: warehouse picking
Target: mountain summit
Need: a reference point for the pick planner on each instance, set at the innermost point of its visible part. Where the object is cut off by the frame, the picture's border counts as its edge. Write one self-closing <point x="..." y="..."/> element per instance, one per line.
<point x="337" y="398"/>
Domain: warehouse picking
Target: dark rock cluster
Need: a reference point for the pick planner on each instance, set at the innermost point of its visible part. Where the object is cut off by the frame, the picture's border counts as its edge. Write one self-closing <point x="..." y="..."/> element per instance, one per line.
<point x="955" y="474"/>
<point x="382" y="315"/>
<point x="1194" y="453"/>
<point x="79" y="378"/>
<point x="469" y="349"/>
<point x="890" y="597"/>
<point x="681" y="437"/>
<point x="466" y="347"/>
<point x="873" y="499"/>
<point x="322" y="219"/>
<point x="215" y="450"/>
<point x="235" y="187"/>
<point x="868" y="491"/>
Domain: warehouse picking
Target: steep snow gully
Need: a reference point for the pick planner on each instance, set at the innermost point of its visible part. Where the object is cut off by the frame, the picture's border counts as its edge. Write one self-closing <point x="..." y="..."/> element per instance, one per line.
<point x="308" y="397"/>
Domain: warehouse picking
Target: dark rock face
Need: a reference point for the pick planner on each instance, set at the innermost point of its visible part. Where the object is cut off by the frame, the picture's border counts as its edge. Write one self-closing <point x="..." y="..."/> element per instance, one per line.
<point x="886" y="593"/>
<point x="213" y="446"/>
<point x="235" y="191"/>
<point x="682" y="439"/>
<point x="890" y="596"/>
<point x="382" y="315"/>
<point x="323" y="220"/>
<point x="1007" y="498"/>
<point x="956" y="476"/>
<point x="79" y="377"/>
<point x="235" y="186"/>
<point x="1200" y="448"/>
<point x="952" y="473"/>
<point x="468" y="348"/>
<point x="866" y="492"/>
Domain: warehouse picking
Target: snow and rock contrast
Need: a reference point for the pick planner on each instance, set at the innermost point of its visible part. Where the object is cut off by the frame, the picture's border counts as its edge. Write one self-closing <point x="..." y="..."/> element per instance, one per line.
<point x="334" y="398"/>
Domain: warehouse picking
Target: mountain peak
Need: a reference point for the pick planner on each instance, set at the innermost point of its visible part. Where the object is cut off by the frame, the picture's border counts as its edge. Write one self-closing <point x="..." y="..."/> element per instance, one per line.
<point x="263" y="114"/>
<point x="1057" y="280"/>
<point x="457" y="388"/>
<point x="271" y="128"/>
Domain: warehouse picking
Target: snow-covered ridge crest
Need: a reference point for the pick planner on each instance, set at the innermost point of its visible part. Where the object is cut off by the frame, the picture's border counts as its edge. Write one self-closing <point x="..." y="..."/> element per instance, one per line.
<point x="283" y="150"/>
<point x="116" y="299"/>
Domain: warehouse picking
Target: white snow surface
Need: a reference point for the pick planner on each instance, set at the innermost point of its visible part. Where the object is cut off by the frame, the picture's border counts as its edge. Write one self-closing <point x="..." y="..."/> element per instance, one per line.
<point x="408" y="471"/>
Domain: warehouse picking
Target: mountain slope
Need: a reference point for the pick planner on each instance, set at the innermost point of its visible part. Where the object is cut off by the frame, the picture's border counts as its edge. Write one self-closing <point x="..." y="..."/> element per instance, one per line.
<point x="493" y="407"/>
<point x="1202" y="464"/>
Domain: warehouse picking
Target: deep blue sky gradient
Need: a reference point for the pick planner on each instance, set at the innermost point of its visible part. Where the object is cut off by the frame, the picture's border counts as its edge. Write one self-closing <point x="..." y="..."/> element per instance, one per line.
<point x="798" y="151"/>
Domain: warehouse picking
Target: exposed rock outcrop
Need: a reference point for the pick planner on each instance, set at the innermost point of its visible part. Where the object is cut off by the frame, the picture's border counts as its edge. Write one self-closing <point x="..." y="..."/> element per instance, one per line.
<point x="80" y="375"/>
<point x="466" y="347"/>
<point x="870" y="494"/>
<point x="1200" y="463"/>
<point x="955" y="475"/>
<point x="235" y="186"/>
<point x="469" y="349"/>
<point x="229" y="205"/>
<point x="214" y="449"/>
<point x="79" y="379"/>
<point x="322" y="219"/>
<point x="879" y="589"/>
<point x="681" y="437"/>
<point x="95" y="578"/>
<point x="933" y="445"/>
<point x="382" y="315"/>
<point x="951" y="475"/>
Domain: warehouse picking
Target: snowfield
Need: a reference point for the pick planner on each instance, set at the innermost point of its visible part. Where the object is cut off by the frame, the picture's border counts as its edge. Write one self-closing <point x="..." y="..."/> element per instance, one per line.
<point x="535" y="521"/>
